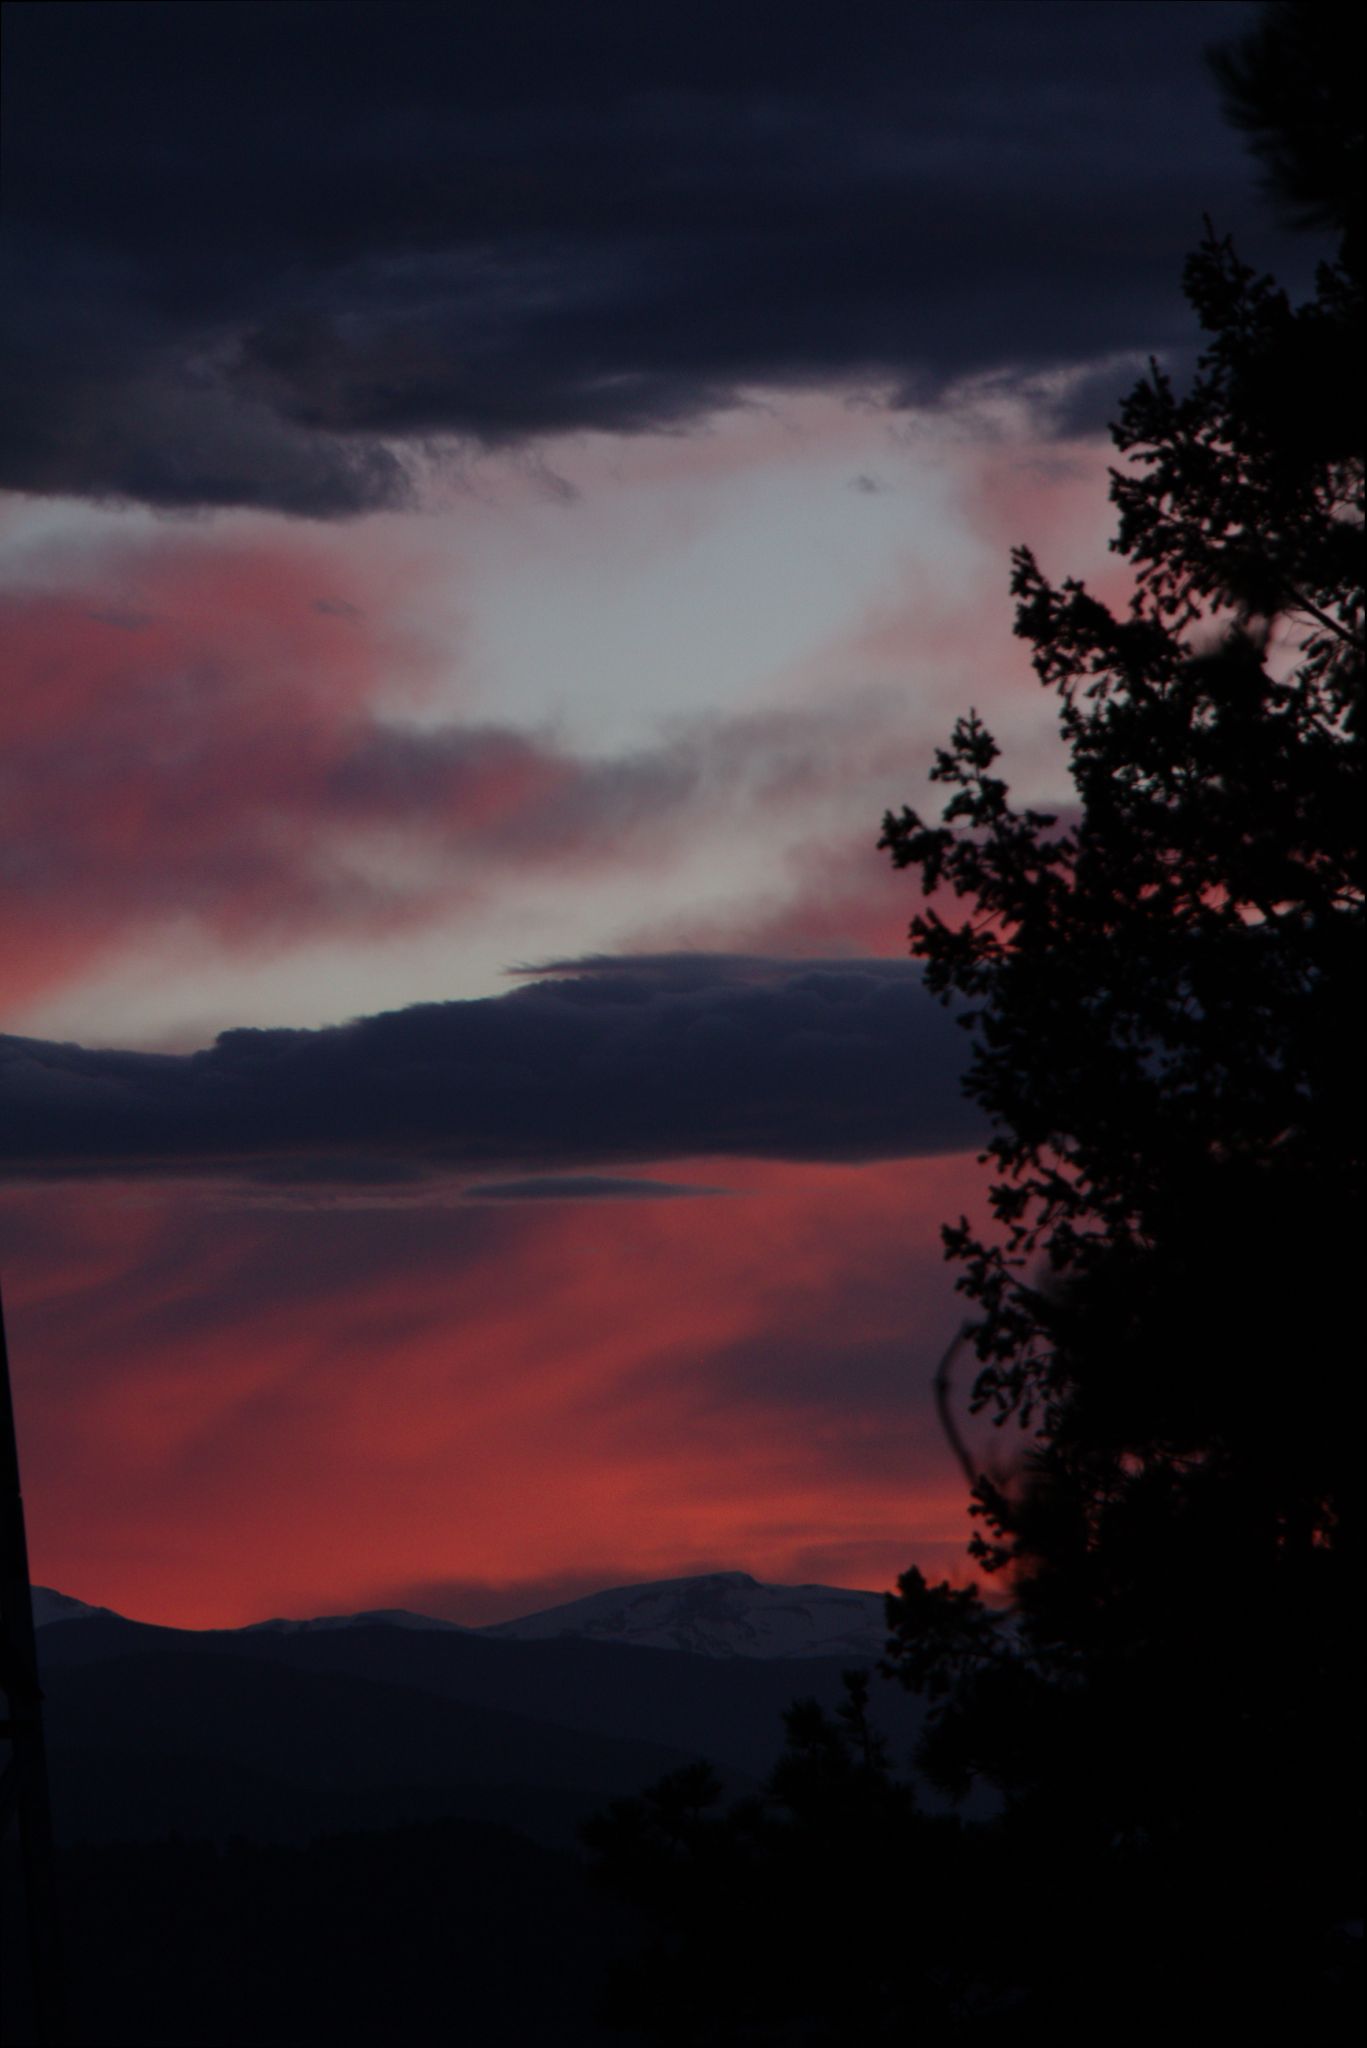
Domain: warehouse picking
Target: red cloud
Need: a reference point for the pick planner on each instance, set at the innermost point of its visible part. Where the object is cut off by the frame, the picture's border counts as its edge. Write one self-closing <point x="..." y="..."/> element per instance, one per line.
<point x="227" y="1412"/>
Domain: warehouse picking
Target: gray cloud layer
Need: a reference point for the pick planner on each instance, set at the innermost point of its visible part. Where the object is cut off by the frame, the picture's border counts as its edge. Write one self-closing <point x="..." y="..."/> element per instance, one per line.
<point x="619" y="1061"/>
<point x="257" y="255"/>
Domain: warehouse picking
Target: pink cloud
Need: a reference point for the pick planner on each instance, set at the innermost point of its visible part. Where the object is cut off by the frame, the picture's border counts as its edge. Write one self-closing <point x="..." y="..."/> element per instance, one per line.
<point x="170" y="715"/>
<point x="841" y="897"/>
<point x="206" y="741"/>
<point x="228" y="737"/>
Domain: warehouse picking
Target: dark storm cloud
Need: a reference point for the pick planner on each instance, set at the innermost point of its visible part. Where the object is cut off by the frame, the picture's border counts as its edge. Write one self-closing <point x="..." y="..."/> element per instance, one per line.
<point x="627" y="1061"/>
<point x="259" y="254"/>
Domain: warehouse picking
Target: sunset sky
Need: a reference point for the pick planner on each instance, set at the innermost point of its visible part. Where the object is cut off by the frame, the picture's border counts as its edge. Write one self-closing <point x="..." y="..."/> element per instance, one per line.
<point x="498" y="500"/>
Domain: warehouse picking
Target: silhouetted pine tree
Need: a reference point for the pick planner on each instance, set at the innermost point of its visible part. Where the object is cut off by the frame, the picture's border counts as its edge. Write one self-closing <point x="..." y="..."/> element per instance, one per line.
<point x="1166" y="998"/>
<point x="1165" y="992"/>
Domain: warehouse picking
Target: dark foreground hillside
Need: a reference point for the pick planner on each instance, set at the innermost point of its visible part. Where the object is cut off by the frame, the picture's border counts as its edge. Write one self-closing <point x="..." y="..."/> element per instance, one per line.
<point x="368" y="1834"/>
<point x="450" y="1931"/>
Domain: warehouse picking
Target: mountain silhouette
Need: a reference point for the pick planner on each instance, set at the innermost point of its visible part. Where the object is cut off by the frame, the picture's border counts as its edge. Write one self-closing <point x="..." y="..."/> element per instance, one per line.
<point x="272" y="1833"/>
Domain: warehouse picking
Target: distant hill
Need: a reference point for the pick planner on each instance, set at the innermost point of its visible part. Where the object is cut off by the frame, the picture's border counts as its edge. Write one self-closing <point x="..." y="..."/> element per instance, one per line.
<point x="370" y="1617"/>
<point x="278" y="1731"/>
<point x="183" y="1740"/>
<point x="728" y="1709"/>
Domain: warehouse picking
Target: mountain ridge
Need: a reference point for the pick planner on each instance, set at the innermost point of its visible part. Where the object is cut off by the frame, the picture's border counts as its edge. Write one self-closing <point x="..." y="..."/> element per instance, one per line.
<point x="712" y="1614"/>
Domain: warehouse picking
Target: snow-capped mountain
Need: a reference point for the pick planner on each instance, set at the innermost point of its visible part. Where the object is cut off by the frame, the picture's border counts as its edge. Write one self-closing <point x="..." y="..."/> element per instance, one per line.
<point x="725" y="1614"/>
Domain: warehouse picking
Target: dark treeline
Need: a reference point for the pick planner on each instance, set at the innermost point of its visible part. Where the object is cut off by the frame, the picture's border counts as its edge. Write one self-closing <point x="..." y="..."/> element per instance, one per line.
<point x="1165" y="996"/>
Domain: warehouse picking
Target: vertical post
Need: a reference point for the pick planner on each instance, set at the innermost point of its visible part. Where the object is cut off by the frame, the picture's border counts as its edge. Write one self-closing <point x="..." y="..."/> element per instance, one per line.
<point x="24" y="1783"/>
